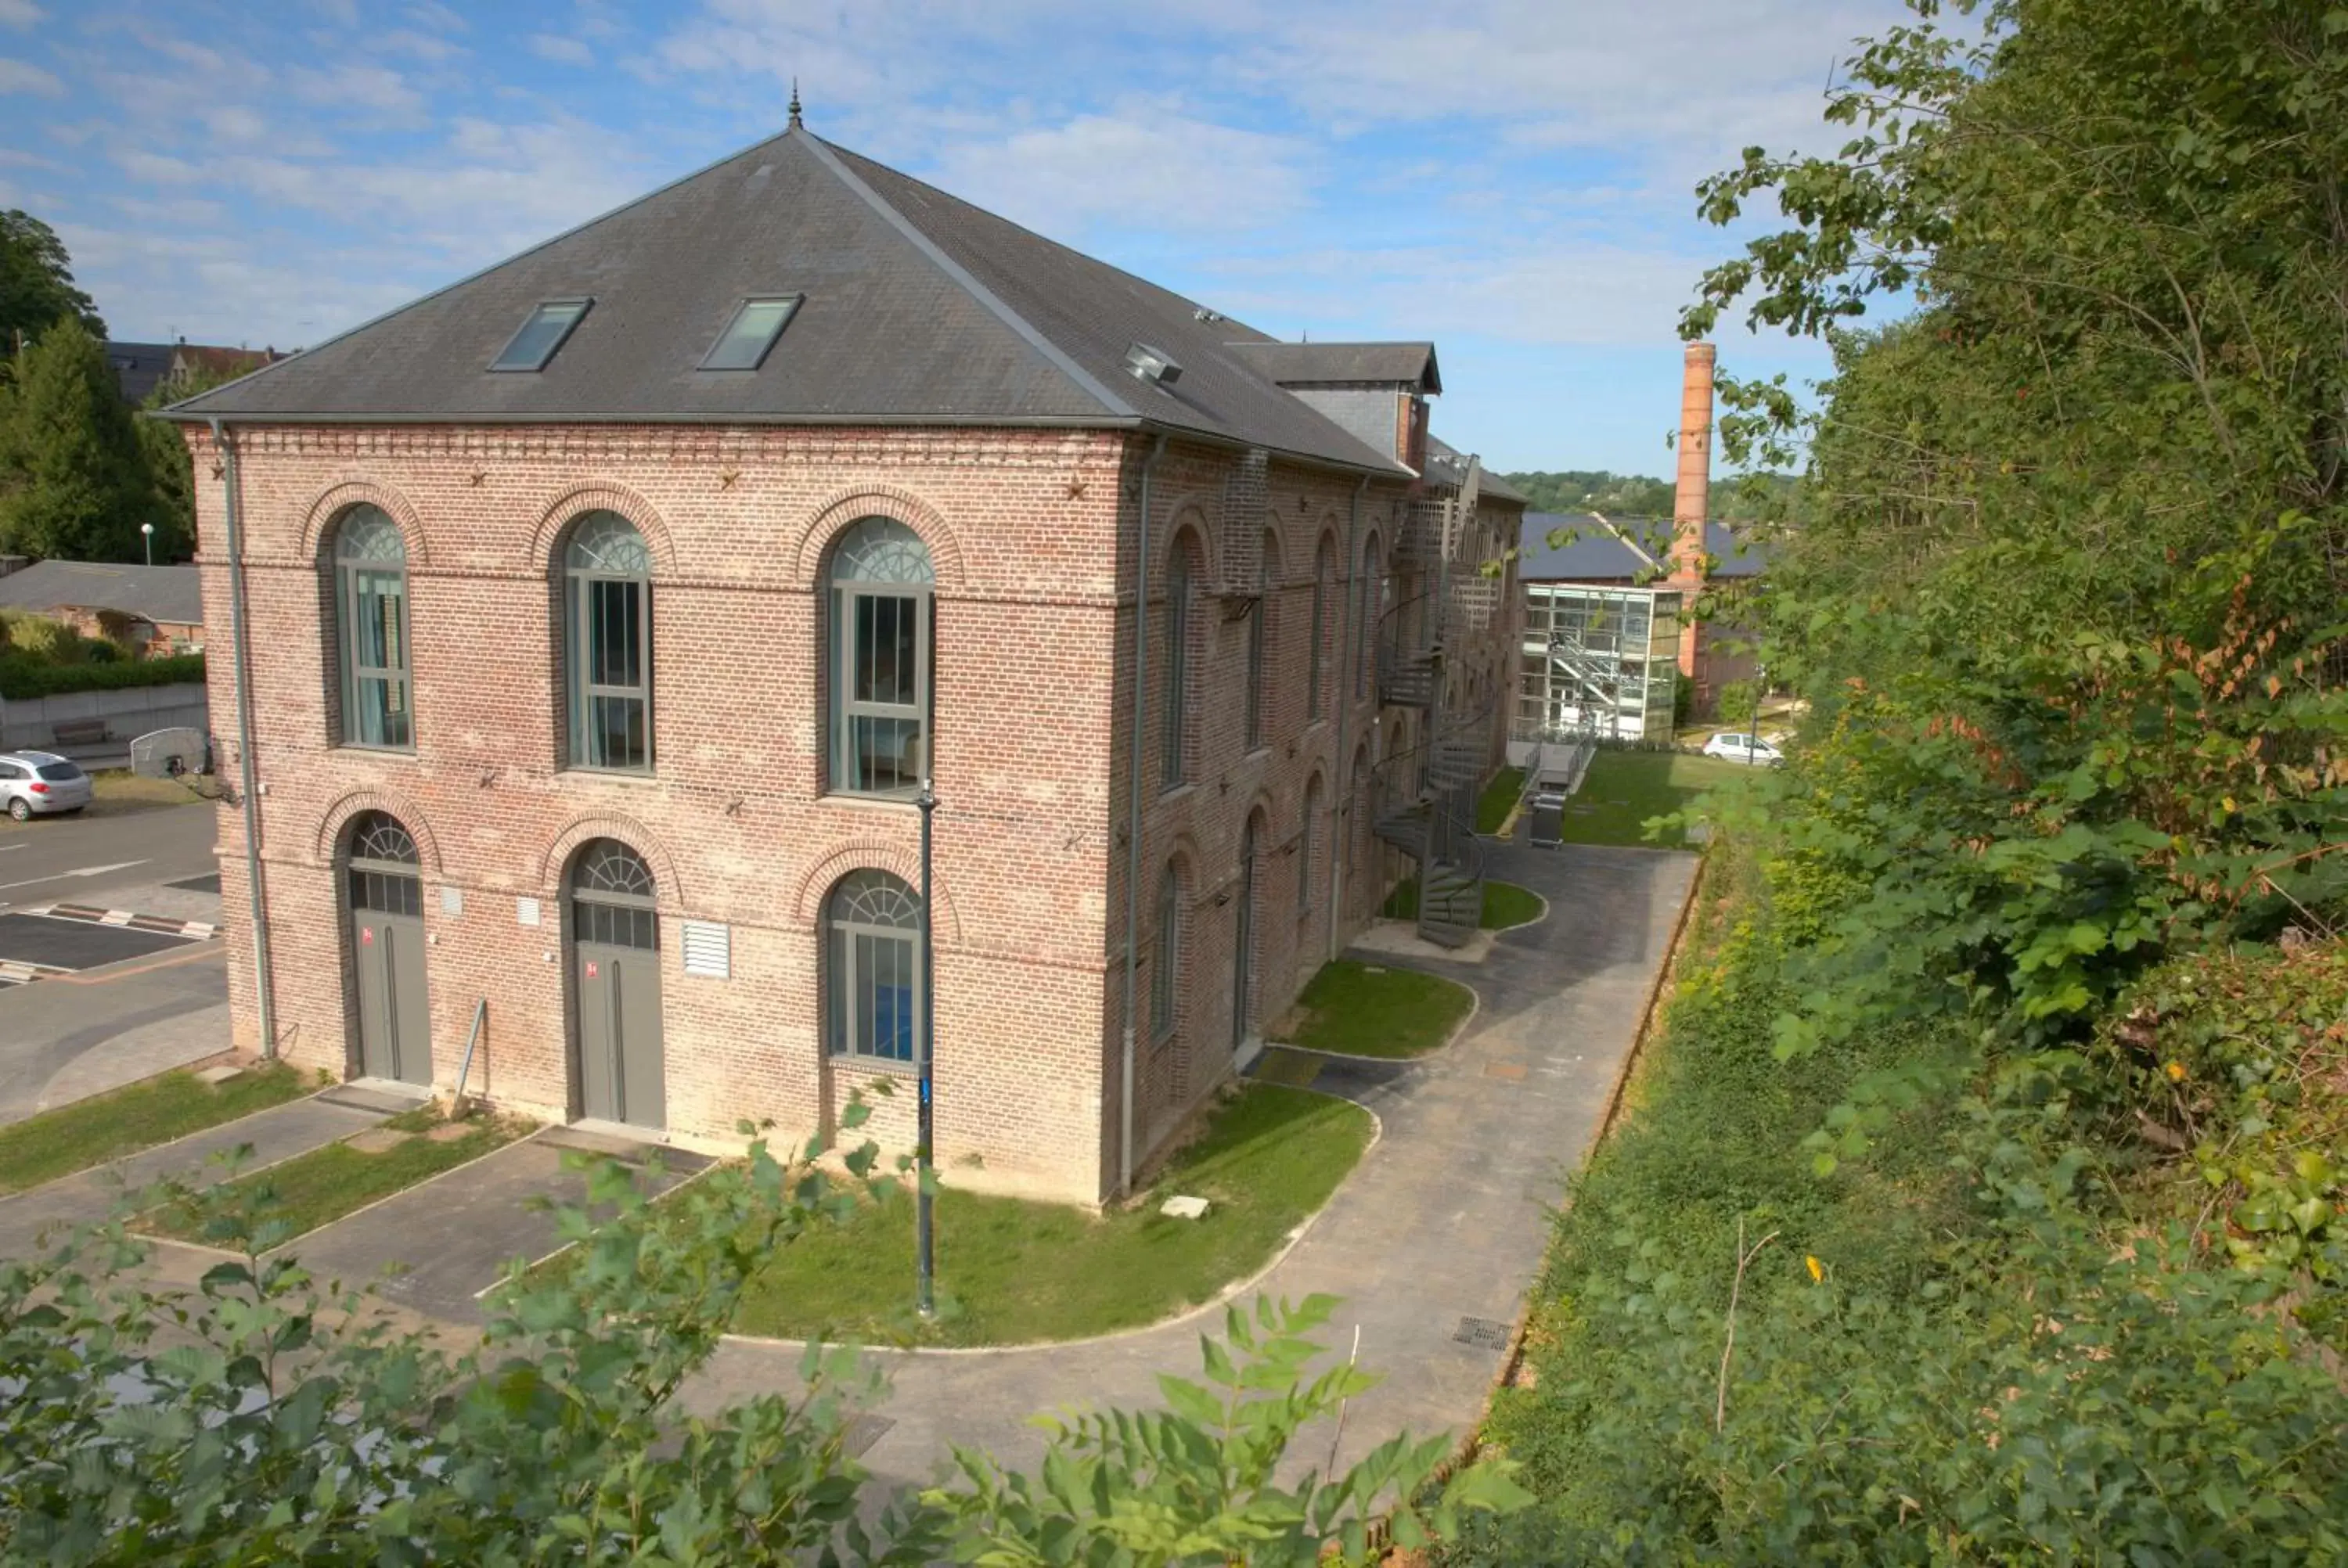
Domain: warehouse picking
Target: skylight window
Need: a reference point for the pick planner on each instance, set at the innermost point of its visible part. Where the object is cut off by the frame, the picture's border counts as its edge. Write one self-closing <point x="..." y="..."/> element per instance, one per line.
<point x="540" y="336"/>
<point x="756" y="322"/>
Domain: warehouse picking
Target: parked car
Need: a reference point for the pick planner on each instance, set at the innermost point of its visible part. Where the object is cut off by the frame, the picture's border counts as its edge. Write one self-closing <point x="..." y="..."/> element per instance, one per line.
<point x="1742" y="748"/>
<point x="41" y="784"/>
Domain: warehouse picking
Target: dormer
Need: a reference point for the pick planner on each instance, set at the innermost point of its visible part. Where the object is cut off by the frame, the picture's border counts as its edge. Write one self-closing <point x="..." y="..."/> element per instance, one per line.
<point x="1377" y="392"/>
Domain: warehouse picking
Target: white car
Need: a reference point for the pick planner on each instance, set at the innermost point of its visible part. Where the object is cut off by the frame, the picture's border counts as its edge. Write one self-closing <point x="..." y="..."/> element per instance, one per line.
<point x="1743" y="748"/>
<point x="40" y="783"/>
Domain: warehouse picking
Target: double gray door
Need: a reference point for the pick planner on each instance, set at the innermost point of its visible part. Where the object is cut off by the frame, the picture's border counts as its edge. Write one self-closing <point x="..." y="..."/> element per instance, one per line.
<point x="387" y="958"/>
<point x="620" y="1034"/>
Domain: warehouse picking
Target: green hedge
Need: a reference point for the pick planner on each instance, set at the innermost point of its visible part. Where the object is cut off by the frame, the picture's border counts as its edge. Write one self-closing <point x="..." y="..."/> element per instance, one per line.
<point x="22" y="678"/>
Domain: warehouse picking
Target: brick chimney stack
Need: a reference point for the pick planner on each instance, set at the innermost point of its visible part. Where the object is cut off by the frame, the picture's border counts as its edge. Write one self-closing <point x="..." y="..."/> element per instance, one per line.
<point x="1691" y="500"/>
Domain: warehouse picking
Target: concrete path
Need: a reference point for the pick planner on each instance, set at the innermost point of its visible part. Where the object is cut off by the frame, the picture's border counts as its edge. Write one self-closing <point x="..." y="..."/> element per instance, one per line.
<point x="1433" y="1240"/>
<point x="277" y="1133"/>
<point x="434" y="1248"/>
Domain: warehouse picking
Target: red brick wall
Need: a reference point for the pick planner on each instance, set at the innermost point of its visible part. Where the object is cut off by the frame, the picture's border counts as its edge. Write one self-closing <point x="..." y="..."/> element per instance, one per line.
<point x="1031" y="535"/>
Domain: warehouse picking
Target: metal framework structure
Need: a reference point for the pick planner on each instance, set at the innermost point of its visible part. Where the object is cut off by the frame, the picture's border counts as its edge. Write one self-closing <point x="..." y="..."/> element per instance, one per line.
<point x="1600" y="663"/>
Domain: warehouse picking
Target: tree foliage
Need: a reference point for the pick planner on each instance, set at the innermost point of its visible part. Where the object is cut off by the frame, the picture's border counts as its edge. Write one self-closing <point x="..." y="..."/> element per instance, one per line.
<point x="74" y="479"/>
<point x="37" y="283"/>
<point x="266" y="1415"/>
<point x="2021" y="1043"/>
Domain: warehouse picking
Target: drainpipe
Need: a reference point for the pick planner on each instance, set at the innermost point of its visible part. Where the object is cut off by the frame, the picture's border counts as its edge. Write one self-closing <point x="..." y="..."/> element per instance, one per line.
<point x="240" y="640"/>
<point x="1133" y="788"/>
<point x="1337" y="851"/>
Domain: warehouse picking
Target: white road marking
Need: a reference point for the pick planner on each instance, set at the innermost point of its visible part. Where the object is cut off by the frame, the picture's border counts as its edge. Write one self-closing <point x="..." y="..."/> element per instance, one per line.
<point x="77" y="871"/>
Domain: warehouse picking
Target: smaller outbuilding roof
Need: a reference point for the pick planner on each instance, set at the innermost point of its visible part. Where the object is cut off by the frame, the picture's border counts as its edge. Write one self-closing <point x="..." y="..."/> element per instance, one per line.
<point x="1598" y="555"/>
<point x="173" y="595"/>
<point x="1445" y="465"/>
<point x="1344" y="363"/>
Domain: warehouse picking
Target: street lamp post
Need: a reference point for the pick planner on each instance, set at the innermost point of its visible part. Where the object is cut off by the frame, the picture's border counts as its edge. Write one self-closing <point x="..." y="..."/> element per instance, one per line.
<point x="147" y="531"/>
<point x="924" y="1301"/>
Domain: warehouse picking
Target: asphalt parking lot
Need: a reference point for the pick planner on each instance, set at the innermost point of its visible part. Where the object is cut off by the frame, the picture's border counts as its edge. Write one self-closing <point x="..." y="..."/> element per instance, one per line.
<point x="50" y="942"/>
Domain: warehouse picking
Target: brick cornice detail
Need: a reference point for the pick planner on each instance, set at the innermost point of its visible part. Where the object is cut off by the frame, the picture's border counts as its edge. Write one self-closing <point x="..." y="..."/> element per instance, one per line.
<point x="876" y="854"/>
<point x="893" y="446"/>
<point x="668" y="892"/>
<point x="337" y="816"/>
<point x="602" y="495"/>
<point x="355" y="490"/>
<point x="946" y="559"/>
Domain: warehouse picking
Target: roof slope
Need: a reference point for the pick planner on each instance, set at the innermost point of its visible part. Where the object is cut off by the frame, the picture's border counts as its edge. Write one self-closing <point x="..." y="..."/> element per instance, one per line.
<point x="159" y="593"/>
<point x="1598" y="555"/>
<point x="1446" y="465"/>
<point x="1346" y="363"/>
<point x="919" y="308"/>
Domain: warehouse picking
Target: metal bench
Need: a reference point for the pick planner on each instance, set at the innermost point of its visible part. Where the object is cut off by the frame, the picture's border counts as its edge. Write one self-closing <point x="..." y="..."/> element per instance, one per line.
<point x="79" y="732"/>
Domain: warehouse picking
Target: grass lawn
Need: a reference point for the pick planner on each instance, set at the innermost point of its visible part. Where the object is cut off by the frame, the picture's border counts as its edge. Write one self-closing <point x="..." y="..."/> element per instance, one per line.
<point x="1011" y="1271"/>
<point x="1365" y="1010"/>
<point x="1505" y="903"/>
<point x="1500" y="796"/>
<point x="1623" y="789"/>
<point x="117" y="792"/>
<point x="322" y="1185"/>
<point x="136" y="1116"/>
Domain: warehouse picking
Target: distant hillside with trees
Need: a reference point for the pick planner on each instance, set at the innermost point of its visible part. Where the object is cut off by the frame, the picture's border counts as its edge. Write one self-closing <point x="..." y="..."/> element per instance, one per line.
<point x="1737" y="499"/>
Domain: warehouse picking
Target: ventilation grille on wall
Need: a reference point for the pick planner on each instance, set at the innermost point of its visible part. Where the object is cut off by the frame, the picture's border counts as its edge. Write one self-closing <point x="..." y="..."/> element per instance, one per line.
<point x="709" y="949"/>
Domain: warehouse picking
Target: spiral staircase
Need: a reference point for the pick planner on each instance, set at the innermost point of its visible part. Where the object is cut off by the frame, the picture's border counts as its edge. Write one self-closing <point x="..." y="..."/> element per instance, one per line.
<point x="1424" y="795"/>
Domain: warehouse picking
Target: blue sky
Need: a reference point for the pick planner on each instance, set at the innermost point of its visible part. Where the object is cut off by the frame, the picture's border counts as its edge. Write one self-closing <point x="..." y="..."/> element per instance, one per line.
<point x="1510" y="177"/>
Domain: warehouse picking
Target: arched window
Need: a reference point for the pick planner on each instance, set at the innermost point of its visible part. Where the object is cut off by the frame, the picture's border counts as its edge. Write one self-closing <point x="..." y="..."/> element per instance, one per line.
<point x="608" y="644"/>
<point x="1373" y="602"/>
<point x="1177" y="663"/>
<point x="611" y="896"/>
<point x="384" y="870"/>
<point x="1305" y="847"/>
<point x="883" y="616"/>
<point x="1325" y="566"/>
<point x="371" y="630"/>
<point x="872" y="923"/>
<point x="1267" y="566"/>
<point x="1167" y="954"/>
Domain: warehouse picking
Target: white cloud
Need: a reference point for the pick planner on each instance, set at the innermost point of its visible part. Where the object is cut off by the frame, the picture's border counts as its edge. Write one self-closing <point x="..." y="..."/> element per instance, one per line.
<point x="432" y="13"/>
<point x="1152" y="171"/>
<point x="18" y="13"/>
<point x="555" y="47"/>
<point x="355" y="86"/>
<point x="17" y="77"/>
<point x="419" y="46"/>
<point x="346" y="12"/>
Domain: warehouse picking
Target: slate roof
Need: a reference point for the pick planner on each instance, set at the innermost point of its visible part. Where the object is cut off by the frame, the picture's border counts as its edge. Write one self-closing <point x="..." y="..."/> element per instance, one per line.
<point x="920" y="308"/>
<point x="1346" y="363"/>
<point x="1446" y="465"/>
<point x="1598" y="555"/>
<point x="172" y="594"/>
<point x="138" y="366"/>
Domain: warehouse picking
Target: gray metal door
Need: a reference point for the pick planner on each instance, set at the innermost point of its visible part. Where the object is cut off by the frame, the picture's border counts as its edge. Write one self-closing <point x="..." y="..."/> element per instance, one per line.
<point x="616" y="986"/>
<point x="387" y="933"/>
<point x="395" y="1020"/>
<point x="619" y="1067"/>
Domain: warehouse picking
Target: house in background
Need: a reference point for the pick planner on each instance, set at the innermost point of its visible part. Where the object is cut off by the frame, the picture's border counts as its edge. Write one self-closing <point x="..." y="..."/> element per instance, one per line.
<point x="608" y="607"/>
<point x="157" y="610"/>
<point x="142" y="367"/>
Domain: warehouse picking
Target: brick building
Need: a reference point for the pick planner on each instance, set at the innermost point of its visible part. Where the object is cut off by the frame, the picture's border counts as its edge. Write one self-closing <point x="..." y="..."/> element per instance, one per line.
<point x="603" y="609"/>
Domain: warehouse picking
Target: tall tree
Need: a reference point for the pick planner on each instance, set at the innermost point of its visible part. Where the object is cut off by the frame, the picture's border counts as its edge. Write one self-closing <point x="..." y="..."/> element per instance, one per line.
<point x="36" y="282"/>
<point x="168" y="464"/>
<point x="74" y="479"/>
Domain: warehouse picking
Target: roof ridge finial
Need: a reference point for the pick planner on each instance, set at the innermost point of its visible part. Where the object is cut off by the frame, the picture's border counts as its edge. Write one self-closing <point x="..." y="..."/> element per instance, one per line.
<point x="795" y="103"/>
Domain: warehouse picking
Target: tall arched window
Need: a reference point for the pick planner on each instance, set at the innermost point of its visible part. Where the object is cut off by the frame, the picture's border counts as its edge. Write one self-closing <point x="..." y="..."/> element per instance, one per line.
<point x="883" y="618"/>
<point x="1165" y="955"/>
<point x="1305" y="847"/>
<point x="1372" y="605"/>
<point x="608" y="644"/>
<point x="873" y="924"/>
<point x="1177" y="663"/>
<point x="1325" y="566"/>
<point x="371" y="628"/>
<point x="1267" y="565"/>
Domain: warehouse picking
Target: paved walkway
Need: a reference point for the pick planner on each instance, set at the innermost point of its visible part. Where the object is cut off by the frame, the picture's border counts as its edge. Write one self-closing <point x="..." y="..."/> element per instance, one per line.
<point x="277" y="1133"/>
<point x="1432" y="1241"/>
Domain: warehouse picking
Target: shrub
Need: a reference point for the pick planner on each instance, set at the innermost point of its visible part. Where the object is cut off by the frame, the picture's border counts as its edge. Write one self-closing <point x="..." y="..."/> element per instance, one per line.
<point x="23" y="679"/>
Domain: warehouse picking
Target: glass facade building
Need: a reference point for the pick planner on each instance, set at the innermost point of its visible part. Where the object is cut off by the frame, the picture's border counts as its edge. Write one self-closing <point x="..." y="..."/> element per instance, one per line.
<point x="1597" y="661"/>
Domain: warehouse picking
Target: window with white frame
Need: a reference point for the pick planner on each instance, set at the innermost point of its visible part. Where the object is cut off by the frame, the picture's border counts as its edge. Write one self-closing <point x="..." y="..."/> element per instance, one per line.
<point x="872" y="926"/>
<point x="884" y="621"/>
<point x="607" y="644"/>
<point x="371" y="630"/>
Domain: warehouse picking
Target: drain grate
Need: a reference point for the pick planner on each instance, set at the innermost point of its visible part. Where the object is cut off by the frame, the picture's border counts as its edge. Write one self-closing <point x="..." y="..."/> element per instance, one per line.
<point x="1487" y="1333"/>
